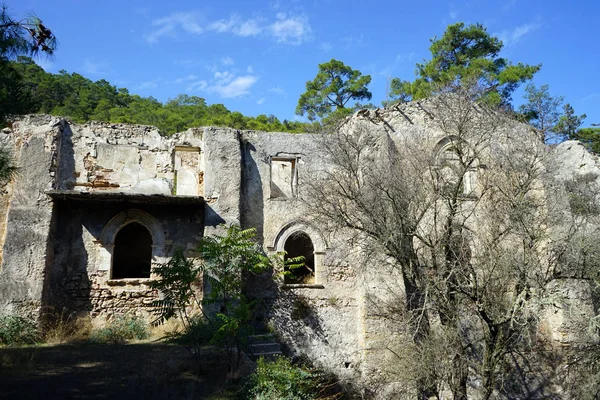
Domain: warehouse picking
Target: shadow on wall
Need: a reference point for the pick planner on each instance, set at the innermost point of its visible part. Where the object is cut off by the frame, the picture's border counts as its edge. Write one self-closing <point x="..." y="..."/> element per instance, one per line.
<point x="66" y="286"/>
<point x="252" y="201"/>
<point x="252" y="216"/>
<point x="295" y="319"/>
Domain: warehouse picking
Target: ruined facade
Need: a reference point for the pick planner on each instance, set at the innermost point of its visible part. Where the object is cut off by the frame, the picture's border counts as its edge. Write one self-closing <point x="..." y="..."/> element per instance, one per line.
<point x="94" y="206"/>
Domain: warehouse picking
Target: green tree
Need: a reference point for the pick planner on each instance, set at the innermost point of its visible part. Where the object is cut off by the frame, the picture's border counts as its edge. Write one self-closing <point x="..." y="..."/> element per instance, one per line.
<point x="27" y="36"/>
<point x="569" y="123"/>
<point x="465" y="56"/>
<point x="590" y="137"/>
<point x="224" y="261"/>
<point x="541" y="110"/>
<point x="331" y="90"/>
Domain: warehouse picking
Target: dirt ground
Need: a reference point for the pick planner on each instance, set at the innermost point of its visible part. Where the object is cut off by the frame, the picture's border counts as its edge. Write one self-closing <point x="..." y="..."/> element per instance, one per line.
<point x="95" y="371"/>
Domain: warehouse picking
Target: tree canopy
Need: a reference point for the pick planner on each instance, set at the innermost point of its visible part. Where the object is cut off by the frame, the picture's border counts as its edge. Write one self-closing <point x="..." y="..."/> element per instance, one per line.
<point x="590" y="137"/>
<point x="331" y="90"/>
<point x="27" y="36"/>
<point x="81" y="99"/>
<point x="466" y="56"/>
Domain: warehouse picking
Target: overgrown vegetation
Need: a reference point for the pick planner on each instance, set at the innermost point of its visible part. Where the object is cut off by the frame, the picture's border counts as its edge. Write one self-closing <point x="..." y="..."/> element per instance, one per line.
<point x="121" y="329"/>
<point x="475" y="247"/>
<point x="279" y="379"/>
<point x="16" y="330"/>
<point x="64" y="326"/>
<point x="223" y="262"/>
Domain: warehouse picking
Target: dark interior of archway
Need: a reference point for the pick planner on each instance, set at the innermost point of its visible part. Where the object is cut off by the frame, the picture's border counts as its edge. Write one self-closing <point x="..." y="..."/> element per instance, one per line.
<point x="132" y="257"/>
<point x="299" y="244"/>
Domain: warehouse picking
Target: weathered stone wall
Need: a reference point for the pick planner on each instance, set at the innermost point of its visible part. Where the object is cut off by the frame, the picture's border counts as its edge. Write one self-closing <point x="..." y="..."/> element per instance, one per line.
<point x="28" y="220"/>
<point x="320" y="319"/>
<point x="57" y="251"/>
<point x="79" y="278"/>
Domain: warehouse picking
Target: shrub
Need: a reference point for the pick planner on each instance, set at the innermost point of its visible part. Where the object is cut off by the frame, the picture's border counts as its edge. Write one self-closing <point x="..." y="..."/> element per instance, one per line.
<point x="120" y="330"/>
<point x="16" y="330"/>
<point x="61" y="327"/>
<point x="281" y="380"/>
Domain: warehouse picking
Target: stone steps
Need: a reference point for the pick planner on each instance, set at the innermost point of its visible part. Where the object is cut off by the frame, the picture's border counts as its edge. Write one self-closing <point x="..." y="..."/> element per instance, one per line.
<point x="265" y="346"/>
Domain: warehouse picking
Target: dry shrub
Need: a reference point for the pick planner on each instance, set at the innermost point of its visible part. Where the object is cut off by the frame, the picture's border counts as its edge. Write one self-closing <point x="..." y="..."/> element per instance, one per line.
<point x="64" y="327"/>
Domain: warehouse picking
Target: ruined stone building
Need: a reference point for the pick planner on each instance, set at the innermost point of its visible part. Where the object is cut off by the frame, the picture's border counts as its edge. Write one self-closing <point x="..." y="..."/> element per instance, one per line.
<point x="94" y="206"/>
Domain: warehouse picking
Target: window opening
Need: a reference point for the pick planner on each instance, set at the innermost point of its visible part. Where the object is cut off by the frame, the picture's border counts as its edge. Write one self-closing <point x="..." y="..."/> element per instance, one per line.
<point x="283" y="178"/>
<point x="299" y="244"/>
<point x="132" y="257"/>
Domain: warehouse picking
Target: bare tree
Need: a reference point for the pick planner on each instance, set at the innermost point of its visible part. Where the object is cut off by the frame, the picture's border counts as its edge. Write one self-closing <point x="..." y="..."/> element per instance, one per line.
<point x="458" y="202"/>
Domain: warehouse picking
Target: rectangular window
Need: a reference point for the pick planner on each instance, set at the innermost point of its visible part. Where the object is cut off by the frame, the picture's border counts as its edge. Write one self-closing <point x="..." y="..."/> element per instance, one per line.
<point x="283" y="178"/>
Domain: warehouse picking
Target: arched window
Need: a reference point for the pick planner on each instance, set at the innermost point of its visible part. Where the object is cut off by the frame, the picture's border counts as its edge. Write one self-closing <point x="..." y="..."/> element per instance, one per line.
<point x="456" y="166"/>
<point x="132" y="257"/>
<point x="299" y="244"/>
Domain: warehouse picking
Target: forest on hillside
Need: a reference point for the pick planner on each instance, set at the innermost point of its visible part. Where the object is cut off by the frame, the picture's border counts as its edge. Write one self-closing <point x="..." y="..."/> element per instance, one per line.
<point x="81" y="99"/>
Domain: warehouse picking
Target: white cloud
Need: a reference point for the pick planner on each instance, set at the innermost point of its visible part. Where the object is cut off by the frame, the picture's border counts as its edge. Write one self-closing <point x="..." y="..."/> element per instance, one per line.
<point x="290" y="29"/>
<point x="169" y="25"/>
<point x="222" y="78"/>
<point x="93" y="67"/>
<point x="510" y="37"/>
<point x="227" y="61"/>
<point x="260" y="101"/>
<point x="453" y="15"/>
<point x="248" y="28"/>
<point x="285" y="28"/>
<point x="198" y="86"/>
<point x="239" y="86"/>
<point x="249" y="69"/>
<point x="325" y="46"/>
<point x="222" y="25"/>
<point x="237" y="26"/>
<point x="226" y="84"/>
<point x="277" y="90"/>
<point x="148" y="85"/>
<point x="184" y="79"/>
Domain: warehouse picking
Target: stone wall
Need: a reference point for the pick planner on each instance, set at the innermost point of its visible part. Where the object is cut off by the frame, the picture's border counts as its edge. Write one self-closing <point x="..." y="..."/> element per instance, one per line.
<point x="78" y="185"/>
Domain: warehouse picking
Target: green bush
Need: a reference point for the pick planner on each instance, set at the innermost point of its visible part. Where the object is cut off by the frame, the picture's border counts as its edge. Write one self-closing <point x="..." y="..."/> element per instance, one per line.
<point x="120" y="330"/>
<point x="281" y="380"/>
<point x="15" y="330"/>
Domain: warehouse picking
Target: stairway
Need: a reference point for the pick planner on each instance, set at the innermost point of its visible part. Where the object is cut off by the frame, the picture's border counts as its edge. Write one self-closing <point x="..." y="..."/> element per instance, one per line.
<point x="264" y="345"/>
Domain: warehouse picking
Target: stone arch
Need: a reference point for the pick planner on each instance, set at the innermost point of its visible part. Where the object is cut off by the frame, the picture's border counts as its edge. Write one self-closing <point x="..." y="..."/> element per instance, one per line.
<point x="294" y="231"/>
<point x="448" y="163"/>
<point x="296" y="226"/>
<point x="120" y="221"/>
<point x="107" y="237"/>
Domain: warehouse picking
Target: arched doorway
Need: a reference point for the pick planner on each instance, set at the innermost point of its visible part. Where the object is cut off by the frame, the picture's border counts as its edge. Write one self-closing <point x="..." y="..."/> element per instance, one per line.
<point x="132" y="257"/>
<point x="299" y="244"/>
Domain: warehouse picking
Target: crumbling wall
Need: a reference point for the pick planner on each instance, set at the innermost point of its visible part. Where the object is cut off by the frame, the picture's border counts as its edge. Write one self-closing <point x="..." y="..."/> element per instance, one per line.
<point x="319" y="319"/>
<point x="54" y="253"/>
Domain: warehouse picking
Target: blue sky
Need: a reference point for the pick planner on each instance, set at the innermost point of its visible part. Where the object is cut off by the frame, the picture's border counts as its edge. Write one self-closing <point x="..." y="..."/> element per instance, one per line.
<point x="256" y="56"/>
